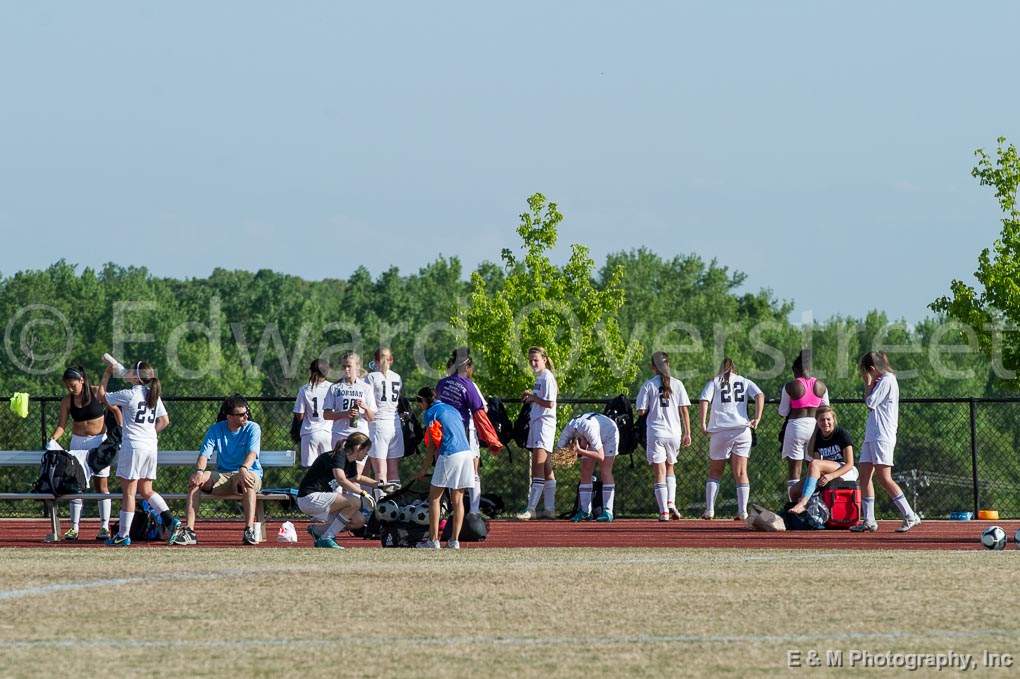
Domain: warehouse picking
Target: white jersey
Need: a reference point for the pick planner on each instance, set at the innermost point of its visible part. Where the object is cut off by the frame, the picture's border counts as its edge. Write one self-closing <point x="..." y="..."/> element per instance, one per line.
<point x="663" y="414"/>
<point x="546" y="389"/>
<point x="341" y="398"/>
<point x="883" y="410"/>
<point x="728" y="401"/>
<point x="311" y="403"/>
<point x="595" y="428"/>
<point x="139" y="418"/>
<point x="386" y="390"/>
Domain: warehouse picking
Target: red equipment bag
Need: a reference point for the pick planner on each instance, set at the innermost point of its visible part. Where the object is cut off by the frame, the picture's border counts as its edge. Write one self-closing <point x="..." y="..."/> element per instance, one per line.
<point x="843" y="498"/>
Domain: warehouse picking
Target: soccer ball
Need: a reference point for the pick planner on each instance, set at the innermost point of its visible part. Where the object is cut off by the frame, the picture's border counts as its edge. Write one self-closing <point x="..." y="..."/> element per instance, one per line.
<point x="421" y="515"/>
<point x="387" y="511"/>
<point x="405" y="513"/>
<point x="1016" y="538"/>
<point x="993" y="537"/>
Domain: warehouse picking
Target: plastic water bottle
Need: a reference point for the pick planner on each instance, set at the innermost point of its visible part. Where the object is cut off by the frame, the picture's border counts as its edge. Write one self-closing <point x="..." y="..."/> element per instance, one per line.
<point x="118" y="368"/>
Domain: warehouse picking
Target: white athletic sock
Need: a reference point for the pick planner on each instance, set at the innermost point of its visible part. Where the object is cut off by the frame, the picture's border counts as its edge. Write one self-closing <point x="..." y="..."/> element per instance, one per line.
<point x="711" y="490"/>
<point x="125" y="523"/>
<point x="105" y="507"/>
<point x="476" y="495"/>
<point x="743" y="490"/>
<point x="335" y="526"/>
<point x="868" y="505"/>
<point x="608" y="495"/>
<point x="791" y="484"/>
<point x="671" y="491"/>
<point x="549" y="495"/>
<point x="537" y="486"/>
<point x="660" y="497"/>
<point x="901" y="504"/>
<point x="157" y="502"/>
<point x="76" y="506"/>
<point x="584" y="497"/>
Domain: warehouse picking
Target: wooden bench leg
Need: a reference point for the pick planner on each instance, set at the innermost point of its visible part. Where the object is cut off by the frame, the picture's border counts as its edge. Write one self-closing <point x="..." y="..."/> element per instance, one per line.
<point x="260" y="520"/>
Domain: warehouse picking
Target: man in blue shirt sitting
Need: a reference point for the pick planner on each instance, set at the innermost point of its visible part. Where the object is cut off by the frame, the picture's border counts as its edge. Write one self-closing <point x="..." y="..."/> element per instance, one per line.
<point x="235" y="441"/>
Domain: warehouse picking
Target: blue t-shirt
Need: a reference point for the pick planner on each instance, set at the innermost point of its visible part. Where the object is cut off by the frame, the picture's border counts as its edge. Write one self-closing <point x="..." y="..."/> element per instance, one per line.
<point x="232" y="447"/>
<point x="454" y="435"/>
<point x="462" y="394"/>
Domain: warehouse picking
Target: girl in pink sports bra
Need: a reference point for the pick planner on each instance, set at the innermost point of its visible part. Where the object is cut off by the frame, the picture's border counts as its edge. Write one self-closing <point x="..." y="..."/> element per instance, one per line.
<point x="798" y="403"/>
<point x="810" y="399"/>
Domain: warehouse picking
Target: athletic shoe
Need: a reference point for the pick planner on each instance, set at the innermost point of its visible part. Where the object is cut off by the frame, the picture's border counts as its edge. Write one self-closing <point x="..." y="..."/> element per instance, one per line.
<point x="249" y="537"/>
<point x="547" y="514"/>
<point x="674" y="513"/>
<point x="581" y="516"/>
<point x="427" y="544"/>
<point x="183" y="536"/>
<point x="316" y="530"/>
<point x="864" y="527"/>
<point x="526" y="515"/>
<point x="707" y="517"/>
<point x="740" y="517"/>
<point x="453" y="544"/>
<point x="664" y="516"/>
<point x="119" y="541"/>
<point x="172" y="529"/>
<point x="605" y="517"/>
<point x="908" y="523"/>
<point x="71" y="535"/>
<point x="327" y="543"/>
<point x="103" y="535"/>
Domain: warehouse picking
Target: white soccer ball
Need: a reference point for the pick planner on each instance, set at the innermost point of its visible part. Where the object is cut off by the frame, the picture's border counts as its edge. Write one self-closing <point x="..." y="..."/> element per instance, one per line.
<point x="1016" y="537"/>
<point x="406" y="512"/>
<point x="421" y="515"/>
<point x="993" y="537"/>
<point x="387" y="511"/>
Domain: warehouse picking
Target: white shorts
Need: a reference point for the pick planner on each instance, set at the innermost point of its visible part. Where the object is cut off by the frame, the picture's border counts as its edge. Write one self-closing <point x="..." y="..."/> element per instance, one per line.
<point x="542" y="434"/>
<point x="877" y="452"/>
<point x="851" y="475"/>
<point x="798" y="433"/>
<point x="88" y="443"/>
<point x="730" y="442"/>
<point x="316" y="505"/>
<point x="662" y="449"/>
<point x="136" y="463"/>
<point x="314" y="444"/>
<point x="611" y="443"/>
<point x="455" y="471"/>
<point x="387" y="441"/>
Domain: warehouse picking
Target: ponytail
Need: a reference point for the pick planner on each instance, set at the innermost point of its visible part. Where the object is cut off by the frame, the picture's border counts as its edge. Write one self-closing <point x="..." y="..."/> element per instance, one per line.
<point x="726" y="369"/>
<point x="317" y="371"/>
<point x="544" y="354"/>
<point x="660" y="360"/>
<point x="146" y="374"/>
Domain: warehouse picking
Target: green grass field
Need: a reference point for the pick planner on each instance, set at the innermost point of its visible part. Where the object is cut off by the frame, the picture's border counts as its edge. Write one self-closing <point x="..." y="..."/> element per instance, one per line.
<point x="492" y="612"/>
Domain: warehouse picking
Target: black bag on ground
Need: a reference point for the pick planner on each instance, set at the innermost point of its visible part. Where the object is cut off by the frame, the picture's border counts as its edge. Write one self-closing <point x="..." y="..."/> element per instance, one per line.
<point x="596" y="498"/>
<point x="474" y="529"/>
<point x="500" y="421"/>
<point x="491" y="505"/>
<point x="401" y="534"/>
<point x="59" y="474"/>
<point x="410" y="427"/>
<point x="813" y="518"/>
<point x="620" y="411"/>
<point x="522" y="425"/>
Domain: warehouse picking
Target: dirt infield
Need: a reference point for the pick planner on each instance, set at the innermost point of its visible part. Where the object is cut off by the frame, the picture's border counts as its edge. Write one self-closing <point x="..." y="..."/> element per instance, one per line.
<point x="690" y="533"/>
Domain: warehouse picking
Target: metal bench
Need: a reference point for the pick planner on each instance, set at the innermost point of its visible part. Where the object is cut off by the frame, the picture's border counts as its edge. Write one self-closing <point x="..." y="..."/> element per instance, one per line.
<point x="167" y="458"/>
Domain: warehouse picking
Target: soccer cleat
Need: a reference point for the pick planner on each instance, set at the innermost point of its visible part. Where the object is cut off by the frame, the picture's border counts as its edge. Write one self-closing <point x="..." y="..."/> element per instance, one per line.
<point x="605" y="517"/>
<point x="427" y="544"/>
<point x="864" y="527"/>
<point x="674" y="513"/>
<point x="119" y="541"/>
<point x="664" y="516"/>
<point x="249" y="537"/>
<point x="707" y="516"/>
<point x="327" y="543"/>
<point x="740" y="517"/>
<point x="547" y="514"/>
<point x="908" y="523"/>
<point x="172" y="530"/>
<point x="71" y="535"/>
<point x="526" y="515"/>
<point x="453" y="544"/>
<point x="316" y="530"/>
<point x="103" y="535"/>
<point x="581" y="516"/>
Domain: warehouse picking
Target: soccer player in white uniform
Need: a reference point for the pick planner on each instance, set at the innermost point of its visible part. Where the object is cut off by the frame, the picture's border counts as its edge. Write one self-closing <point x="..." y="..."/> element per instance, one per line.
<point x="350" y="403"/>
<point x="664" y="399"/>
<point x="593" y="437"/>
<point x="729" y="430"/>
<point x="384" y="429"/>
<point x="882" y="397"/>
<point x="541" y="434"/>
<point x="309" y="407"/>
<point x="144" y="417"/>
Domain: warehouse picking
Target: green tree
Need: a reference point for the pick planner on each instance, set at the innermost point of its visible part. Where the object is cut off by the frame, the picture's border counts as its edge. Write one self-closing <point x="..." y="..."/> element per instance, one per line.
<point x="536" y="302"/>
<point x="993" y="309"/>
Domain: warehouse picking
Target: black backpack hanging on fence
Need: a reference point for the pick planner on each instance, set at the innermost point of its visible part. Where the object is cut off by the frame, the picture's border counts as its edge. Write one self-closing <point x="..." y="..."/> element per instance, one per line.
<point x="500" y="421"/>
<point x="410" y="427"/>
<point x="522" y="425"/>
<point x="59" y="474"/>
<point x="620" y="412"/>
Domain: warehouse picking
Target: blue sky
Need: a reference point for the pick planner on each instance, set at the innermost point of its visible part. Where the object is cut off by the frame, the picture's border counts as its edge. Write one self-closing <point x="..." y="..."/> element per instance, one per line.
<point x="823" y="148"/>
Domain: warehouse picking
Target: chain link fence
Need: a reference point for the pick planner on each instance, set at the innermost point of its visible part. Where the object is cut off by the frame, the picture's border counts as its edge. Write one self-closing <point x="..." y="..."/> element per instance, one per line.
<point x="952" y="455"/>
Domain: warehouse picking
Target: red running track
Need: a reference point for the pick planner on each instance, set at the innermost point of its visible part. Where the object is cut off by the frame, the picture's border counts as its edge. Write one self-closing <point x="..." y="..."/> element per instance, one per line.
<point x="622" y="533"/>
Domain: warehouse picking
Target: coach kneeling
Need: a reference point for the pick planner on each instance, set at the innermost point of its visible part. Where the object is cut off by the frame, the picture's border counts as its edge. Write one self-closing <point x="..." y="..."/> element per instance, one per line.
<point x="236" y="441"/>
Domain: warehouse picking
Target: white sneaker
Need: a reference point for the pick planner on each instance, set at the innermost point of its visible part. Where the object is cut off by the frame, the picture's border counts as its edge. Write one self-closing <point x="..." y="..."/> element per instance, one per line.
<point x="526" y="515"/>
<point x="865" y="527"/>
<point x="740" y="517"/>
<point x="674" y="513"/>
<point x="664" y="516"/>
<point x="453" y="544"/>
<point x="908" y="523"/>
<point x="707" y="517"/>
<point x="427" y="544"/>
<point x="547" y="514"/>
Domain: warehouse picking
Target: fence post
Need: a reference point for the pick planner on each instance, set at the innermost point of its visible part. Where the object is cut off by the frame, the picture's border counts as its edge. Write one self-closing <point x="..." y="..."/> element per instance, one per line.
<point x="973" y="454"/>
<point x="42" y="421"/>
